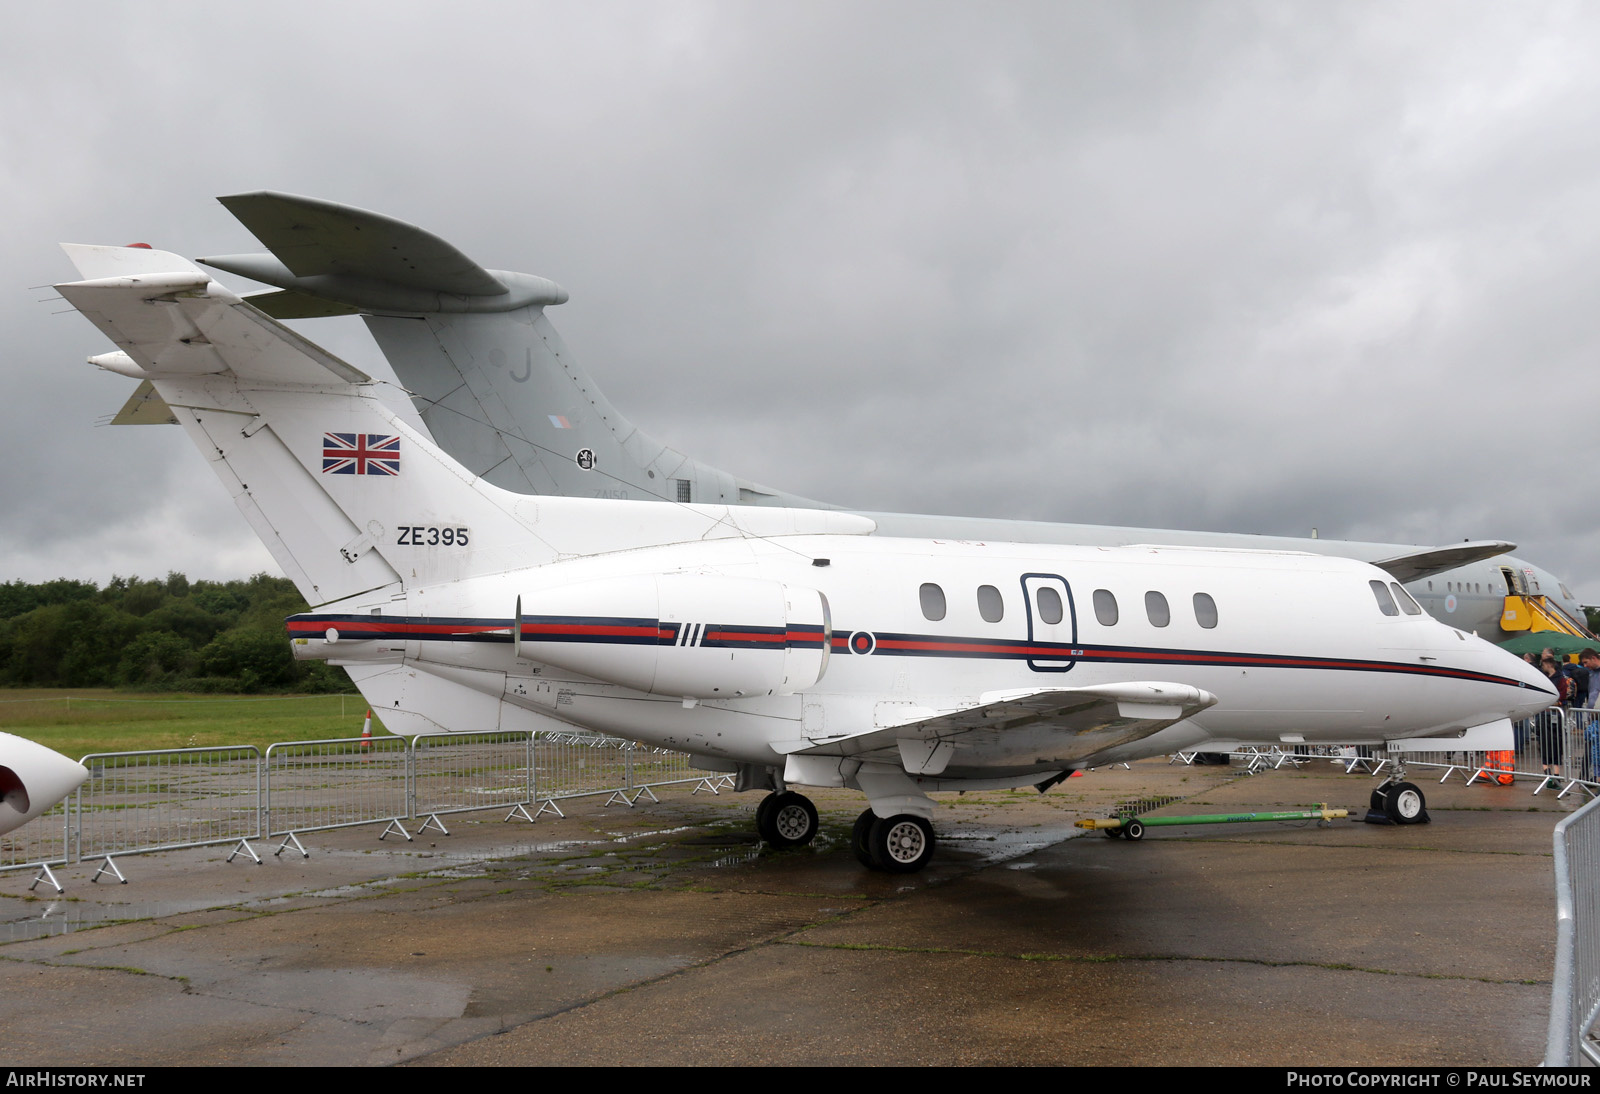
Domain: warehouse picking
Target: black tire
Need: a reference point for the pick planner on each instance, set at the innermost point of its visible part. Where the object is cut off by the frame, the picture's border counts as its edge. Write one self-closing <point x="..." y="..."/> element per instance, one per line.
<point x="764" y="817"/>
<point x="1403" y="803"/>
<point x="1376" y="802"/>
<point x="786" y="819"/>
<point x="859" y="836"/>
<point x="793" y="820"/>
<point x="1111" y="833"/>
<point x="901" y="844"/>
<point x="1133" y="829"/>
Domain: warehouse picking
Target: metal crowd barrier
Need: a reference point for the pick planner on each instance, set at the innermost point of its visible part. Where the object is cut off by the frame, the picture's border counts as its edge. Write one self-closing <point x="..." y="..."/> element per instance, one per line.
<point x="1575" y="988"/>
<point x="189" y="797"/>
<point x="1566" y="741"/>
<point x="152" y="801"/>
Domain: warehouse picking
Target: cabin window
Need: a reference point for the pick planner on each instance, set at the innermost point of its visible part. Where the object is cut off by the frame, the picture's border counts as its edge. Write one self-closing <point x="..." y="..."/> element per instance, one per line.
<point x="1050" y="610"/>
<point x="1105" y="607"/>
<point x="1403" y="598"/>
<point x="932" y="598"/>
<point x="990" y="605"/>
<point x="1205" y="610"/>
<point x="1385" y="601"/>
<point x="1155" y="607"/>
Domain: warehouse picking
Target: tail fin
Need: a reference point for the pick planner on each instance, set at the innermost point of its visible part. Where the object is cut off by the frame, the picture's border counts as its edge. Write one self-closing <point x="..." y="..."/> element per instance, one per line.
<point x="490" y="376"/>
<point x="346" y="497"/>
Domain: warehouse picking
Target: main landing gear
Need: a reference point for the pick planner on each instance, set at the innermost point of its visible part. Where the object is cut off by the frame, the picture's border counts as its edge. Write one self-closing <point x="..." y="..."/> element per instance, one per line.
<point x="786" y="819"/>
<point x="901" y="844"/>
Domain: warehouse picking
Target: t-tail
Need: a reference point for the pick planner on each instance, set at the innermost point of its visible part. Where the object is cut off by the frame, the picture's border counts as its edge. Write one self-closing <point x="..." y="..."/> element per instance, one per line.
<point x="491" y="378"/>
<point x="349" y="500"/>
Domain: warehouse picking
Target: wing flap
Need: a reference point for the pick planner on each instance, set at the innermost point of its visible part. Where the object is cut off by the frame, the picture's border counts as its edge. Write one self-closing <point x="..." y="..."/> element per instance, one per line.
<point x="1065" y="725"/>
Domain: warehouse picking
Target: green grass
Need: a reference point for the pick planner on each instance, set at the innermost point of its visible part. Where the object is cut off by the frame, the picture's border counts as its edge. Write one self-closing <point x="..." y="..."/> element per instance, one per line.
<point x="83" y="720"/>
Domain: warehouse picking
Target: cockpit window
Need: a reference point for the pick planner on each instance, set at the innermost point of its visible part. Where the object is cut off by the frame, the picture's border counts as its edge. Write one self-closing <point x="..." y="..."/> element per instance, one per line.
<point x="1155" y="606"/>
<point x="1385" y="601"/>
<point x="1105" y="607"/>
<point x="1403" y="598"/>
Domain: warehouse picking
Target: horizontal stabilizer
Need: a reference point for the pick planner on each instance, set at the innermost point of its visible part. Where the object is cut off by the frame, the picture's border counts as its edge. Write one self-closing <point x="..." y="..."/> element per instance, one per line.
<point x="367" y="262"/>
<point x="145" y="407"/>
<point x="172" y="319"/>
<point x="288" y="304"/>
<point x="1056" y="725"/>
<point x="1416" y="565"/>
<point x="312" y="237"/>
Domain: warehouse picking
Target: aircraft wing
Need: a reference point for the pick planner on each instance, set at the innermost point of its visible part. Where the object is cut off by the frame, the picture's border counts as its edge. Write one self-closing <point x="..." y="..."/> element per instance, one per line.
<point x="1060" y="725"/>
<point x="1428" y="561"/>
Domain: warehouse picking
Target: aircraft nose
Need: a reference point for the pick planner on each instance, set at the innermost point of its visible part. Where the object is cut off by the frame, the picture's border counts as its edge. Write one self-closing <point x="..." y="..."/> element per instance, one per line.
<point x="1539" y="690"/>
<point x="32" y="779"/>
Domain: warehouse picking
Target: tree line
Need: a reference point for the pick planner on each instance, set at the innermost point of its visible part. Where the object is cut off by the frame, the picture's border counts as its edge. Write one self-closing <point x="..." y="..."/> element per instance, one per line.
<point x="172" y="635"/>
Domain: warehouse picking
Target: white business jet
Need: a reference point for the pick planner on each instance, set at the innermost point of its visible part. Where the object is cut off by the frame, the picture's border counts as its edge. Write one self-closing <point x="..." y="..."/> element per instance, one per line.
<point x="499" y="390"/>
<point x="793" y="646"/>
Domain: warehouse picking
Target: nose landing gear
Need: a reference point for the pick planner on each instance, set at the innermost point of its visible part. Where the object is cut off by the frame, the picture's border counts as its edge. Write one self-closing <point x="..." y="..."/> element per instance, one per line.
<point x="1396" y="801"/>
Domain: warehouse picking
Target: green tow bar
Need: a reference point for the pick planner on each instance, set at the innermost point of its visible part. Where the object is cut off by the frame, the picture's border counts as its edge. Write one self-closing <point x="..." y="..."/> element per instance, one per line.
<point x="1132" y="827"/>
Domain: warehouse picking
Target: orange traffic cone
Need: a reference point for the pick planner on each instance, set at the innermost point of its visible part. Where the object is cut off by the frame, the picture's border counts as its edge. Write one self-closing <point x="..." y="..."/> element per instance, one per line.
<point x="366" y="732"/>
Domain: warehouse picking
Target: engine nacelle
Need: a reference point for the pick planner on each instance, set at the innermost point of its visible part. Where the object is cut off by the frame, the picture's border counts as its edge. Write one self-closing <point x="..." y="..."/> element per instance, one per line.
<point x="32" y="779"/>
<point x="695" y="636"/>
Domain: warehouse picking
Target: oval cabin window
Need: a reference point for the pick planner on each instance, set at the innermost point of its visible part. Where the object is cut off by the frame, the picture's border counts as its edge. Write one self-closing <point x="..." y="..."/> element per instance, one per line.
<point x="1105" y="607"/>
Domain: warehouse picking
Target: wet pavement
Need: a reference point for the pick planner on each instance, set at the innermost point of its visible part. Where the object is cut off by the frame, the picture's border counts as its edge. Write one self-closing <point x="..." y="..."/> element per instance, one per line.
<point x="666" y="934"/>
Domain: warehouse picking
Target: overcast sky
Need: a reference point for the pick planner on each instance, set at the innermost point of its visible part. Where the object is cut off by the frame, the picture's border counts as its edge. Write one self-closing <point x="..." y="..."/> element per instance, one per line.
<point x="1250" y="267"/>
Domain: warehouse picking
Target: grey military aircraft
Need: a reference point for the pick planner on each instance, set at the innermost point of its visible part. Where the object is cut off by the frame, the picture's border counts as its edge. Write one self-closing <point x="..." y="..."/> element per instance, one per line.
<point x="500" y="392"/>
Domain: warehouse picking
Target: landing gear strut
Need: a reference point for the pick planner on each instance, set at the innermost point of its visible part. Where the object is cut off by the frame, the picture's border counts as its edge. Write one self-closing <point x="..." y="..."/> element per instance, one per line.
<point x="786" y="819"/>
<point x="1396" y="801"/>
<point x="901" y="844"/>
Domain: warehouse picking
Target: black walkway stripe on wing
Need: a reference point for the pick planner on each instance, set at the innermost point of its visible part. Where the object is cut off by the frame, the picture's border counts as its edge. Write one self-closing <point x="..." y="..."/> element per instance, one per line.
<point x="631" y="631"/>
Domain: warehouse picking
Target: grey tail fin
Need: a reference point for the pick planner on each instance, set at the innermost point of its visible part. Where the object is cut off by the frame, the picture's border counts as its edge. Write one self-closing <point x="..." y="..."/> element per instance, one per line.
<point x="490" y="376"/>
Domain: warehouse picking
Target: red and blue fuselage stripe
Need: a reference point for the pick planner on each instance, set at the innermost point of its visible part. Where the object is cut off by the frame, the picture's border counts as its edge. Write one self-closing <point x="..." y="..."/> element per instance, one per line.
<point x="650" y="632"/>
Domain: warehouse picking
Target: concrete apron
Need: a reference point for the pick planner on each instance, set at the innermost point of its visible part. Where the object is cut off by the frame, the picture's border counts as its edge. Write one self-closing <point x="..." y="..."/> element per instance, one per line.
<point x="665" y="935"/>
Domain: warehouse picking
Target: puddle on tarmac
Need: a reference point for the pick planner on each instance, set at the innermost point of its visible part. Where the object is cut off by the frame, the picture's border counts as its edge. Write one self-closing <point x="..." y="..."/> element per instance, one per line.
<point x="52" y="917"/>
<point x="29" y="919"/>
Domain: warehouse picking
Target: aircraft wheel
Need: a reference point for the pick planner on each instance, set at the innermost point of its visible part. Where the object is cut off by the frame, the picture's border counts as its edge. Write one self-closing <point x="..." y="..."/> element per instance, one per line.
<point x="859" y="836"/>
<point x="1133" y="829"/>
<point x="786" y="819"/>
<point x="1376" y="802"/>
<point x="1404" y="804"/>
<point x="901" y="844"/>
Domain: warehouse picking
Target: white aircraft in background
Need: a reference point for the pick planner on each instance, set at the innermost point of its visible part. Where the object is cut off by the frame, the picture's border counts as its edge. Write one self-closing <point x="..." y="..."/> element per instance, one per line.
<point x="32" y="779"/>
<point x="796" y="646"/>
<point x="498" y="390"/>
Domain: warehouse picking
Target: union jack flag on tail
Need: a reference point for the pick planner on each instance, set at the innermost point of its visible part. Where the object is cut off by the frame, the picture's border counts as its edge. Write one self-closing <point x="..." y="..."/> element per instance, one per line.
<point x="360" y="454"/>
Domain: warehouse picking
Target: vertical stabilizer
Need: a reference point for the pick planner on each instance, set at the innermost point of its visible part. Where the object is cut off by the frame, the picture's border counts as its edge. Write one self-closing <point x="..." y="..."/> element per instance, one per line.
<point x="490" y="376"/>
